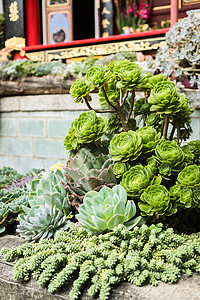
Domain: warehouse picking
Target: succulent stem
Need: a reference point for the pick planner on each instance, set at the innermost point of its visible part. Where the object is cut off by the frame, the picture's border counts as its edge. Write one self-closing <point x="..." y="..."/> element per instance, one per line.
<point x="165" y="126"/>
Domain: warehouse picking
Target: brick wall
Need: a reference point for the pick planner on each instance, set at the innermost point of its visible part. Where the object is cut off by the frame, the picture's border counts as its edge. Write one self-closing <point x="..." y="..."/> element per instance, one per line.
<point x="32" y="129"/>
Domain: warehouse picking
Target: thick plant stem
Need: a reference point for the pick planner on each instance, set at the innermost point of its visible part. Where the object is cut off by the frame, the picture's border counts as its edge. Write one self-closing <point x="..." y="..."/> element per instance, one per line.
<point x="178" y="134"/>
<point x="96" y="110"/>
<point x="172" y="133"/>
<point x="131" y="107"/>
<point x="121" y="115"/>
<point x="165" y="126"/>
<point x="118" y="110"/>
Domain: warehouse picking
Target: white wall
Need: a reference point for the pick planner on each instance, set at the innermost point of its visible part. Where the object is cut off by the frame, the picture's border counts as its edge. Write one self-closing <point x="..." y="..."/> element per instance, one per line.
<point x="1" y="6"/>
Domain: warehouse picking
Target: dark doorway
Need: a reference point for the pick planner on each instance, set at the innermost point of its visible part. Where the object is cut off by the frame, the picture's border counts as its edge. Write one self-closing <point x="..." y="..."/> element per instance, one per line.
<point x="83" y="19"/>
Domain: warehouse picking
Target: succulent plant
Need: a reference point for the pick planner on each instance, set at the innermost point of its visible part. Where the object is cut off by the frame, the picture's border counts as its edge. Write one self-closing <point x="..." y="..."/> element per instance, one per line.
<point x="125" y="146"/>
<point x="189" y="177"/>
<point x="150" y="138"/>
<point x="87" y="128"/>
<point x="136" y="179"/>
<point x="102" y="211"/>
<point x="164" y="98"/>
<point x="180" y="57"/>
<point x="155" y="201"/>
<point x="79" y="89"/>
<point x="42" y="223"/>
<point x="120" y="168"/>
<point x="3" y="214"/>
<point x="194" y="147"/>
<point x="87" y="171"/>
<point x="96" y="75"/>
<point x="170" y="152"/>
<point x="129" y="75"/>
<point x="48" y="201"/>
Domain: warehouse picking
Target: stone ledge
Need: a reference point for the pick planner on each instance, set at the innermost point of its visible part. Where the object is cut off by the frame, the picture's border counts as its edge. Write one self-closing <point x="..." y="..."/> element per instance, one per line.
<point x="185" y="289"/>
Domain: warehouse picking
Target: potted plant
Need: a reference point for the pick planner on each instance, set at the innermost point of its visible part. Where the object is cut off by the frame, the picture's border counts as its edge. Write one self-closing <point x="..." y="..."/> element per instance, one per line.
<point x="180" y="58"/>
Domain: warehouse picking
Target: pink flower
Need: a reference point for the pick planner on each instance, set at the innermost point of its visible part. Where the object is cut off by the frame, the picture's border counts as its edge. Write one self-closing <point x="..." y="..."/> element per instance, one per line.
<point x="144" y="13"/>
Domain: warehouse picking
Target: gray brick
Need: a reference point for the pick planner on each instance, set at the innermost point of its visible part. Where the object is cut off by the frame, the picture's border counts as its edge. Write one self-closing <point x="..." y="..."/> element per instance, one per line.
<point x="44" y="114"/>
<point x="7" y="127"/>
<point x="15" y="114"/>
<point x="195" y="127"/>
<point x="19" y="146"/>
<point x="7" y="161"/>
<point x="9" y="104"/>
<point x="58" y="128"/>
<point x="25" y="165"/>
<point x="48" y="148"/>
<point x="2" y="146"/>
<point x="31" y="127"/>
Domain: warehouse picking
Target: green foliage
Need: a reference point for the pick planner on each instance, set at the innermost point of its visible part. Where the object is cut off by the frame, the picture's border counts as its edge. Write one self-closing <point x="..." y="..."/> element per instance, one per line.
<point x="136" y="179"/>
<point x="145" y="255"/>
<point x="104" y="210"/>
<point x="87" y="128"/>
<point x="7" y="175"/>
<point x="119" y="169"/>
<point x="48" y="201"/>
<point x="126" y="146"/>
<point x="150" y="138"/>
<point x="155" y="200"/>
<point x="87" y="171"/>
<point x="79" y="69"/>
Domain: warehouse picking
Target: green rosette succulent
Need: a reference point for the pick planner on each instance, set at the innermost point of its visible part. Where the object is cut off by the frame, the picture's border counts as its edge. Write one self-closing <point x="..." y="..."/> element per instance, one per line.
<point x="96" y="75"/>
<point x="155" y="201"/>
<point x="71" y="142"/>
<point x="3" y="214"/>
<point x="153" y="164"/>
<point x="164" y="98"/>
<point x="170" y="152"/>
<point x="125" y="146"/>
<point x="194" y="147"/>
<point x="189" y="177"/>
<point x="79" y="90"/>
<point x="43" y="223"/>
<point x="175" y="192"/>
<point x="186" y="198"/>
<point x="89" y="128"/>
<point x="102" y="211"/>
<point x="119" y="169"/>
<point x="165" y="170"/>
<point x="153" y="80"/>
<point x="136" y="179"/>
<point x="150" y="138"/>
<point x="129" y="75"/>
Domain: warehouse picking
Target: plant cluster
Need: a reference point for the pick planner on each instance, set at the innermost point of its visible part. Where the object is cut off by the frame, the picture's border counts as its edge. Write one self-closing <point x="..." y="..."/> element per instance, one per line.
<point x="47" y="208"/>
<point x="144" y="255"/>
<point x="181" y="55"/>
<point x="132" y="13"/>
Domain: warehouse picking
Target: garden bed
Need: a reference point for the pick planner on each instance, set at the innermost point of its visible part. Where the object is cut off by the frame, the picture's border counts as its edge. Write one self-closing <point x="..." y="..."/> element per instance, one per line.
<point x="185" y="289"/>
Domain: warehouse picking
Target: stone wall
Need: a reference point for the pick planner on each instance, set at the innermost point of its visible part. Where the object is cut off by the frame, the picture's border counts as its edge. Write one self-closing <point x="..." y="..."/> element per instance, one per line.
<point x="32" y="129"/>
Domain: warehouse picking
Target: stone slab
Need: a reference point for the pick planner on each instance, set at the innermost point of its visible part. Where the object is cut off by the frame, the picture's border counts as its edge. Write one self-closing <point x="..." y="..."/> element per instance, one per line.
<point x="185" y="289"/>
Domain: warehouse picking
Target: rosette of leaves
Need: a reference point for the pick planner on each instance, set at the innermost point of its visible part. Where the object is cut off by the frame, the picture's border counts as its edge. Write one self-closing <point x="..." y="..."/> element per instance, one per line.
<point x="96" y="76"/>
<point x="41" y="223"/>
<point x="141" y="107"/>
<point x="87" y="171"/>
<point x="129" y="75"/>
<point x="165" y="170"/>
<point x="136" y="179"/>
<point x="164" y="98"/>
<point x="112" y="93"/>
<point x="171" y="153"/>
<point x="153" y="80"/>
<point x="80" y="89"/>
<point x="102" y="211"/>
<point x="150" y="138"/>
<point x="126" y="146"/>
<point x="48" y="201"/>
<point x="155" y="120"/>
<point x="120" y="168"/>
<point x="189" y="177"/>
<point x="155" y="201"/>
<point x="87" y="128"/>
<point x="194" y="147"/>
<point x="7" y="175"/>
<point x="153" y="164"/>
